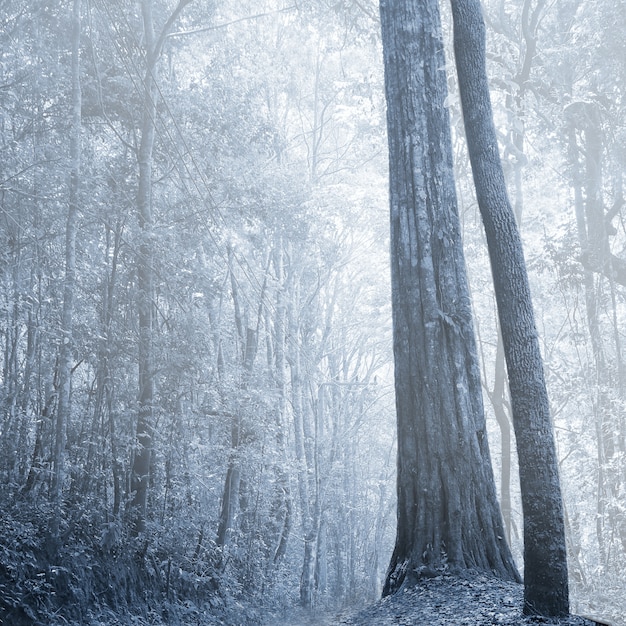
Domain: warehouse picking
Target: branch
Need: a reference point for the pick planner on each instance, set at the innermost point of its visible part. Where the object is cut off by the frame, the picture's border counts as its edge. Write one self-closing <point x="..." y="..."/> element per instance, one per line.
<point x="613" y="267"/>
<point x="158" y="46"/>
<point x="612" y="212"/>
<point x="182" y="33"/>
<point x="529" y="32"/>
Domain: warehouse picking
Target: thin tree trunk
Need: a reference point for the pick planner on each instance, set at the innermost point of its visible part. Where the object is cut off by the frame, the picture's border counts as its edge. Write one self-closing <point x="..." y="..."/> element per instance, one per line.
<point x="516" y="120"/>
<point x="234" y="491"/>
<point x="282" y="506"/>
<point x="142" y="460"/>
<point x="305" y="469"/>
<point x="593" y="325"/>
<point x="545" y="572"/>
<point x="65" y="360"/>
<point x="140" y="476"/>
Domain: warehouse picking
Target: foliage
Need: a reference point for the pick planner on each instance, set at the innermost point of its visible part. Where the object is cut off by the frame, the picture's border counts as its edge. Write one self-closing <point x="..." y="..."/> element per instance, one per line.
<point x="269" y="206"/>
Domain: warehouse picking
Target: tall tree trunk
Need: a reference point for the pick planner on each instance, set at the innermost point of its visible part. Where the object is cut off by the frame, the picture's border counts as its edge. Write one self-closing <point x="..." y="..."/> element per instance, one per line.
<point x="545" y="562"/>
<point x="67" y="321"/>
<point x="448" y="512"/>
<point x="515" y="146"/>
<point x="281" y="513"/>
<point x="102" y="373"/>
<point x="302" y="446"/>
<point x="140" y="476"/>
<point x="593" y="323"/>
<point x="593" y="233"/>
<point x="233" y="494"/>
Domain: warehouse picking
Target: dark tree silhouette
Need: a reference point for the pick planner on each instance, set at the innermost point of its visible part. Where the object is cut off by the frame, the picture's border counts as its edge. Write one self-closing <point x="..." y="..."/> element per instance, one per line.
<point x="448" y="515"/>
<point x="545" y="563"/>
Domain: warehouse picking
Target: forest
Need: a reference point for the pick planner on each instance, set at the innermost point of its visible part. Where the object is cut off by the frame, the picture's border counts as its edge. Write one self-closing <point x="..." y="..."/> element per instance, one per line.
<point x="197" y="398"/>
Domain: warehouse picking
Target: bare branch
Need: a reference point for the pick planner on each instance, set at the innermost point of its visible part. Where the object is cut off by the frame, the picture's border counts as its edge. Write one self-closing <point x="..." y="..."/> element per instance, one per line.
<point x="182" y="33"/>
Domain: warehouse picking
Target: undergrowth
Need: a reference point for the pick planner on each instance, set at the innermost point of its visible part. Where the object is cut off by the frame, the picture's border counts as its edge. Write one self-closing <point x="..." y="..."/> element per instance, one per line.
<point x="93" y="572"/>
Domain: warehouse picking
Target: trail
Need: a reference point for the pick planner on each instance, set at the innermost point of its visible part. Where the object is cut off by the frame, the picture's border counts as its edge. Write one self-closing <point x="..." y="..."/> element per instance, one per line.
<point x="302" y="617"/>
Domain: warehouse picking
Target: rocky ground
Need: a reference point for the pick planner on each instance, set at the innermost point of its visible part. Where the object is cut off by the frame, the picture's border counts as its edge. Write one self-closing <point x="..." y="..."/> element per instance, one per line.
<point x="442" y="601"/>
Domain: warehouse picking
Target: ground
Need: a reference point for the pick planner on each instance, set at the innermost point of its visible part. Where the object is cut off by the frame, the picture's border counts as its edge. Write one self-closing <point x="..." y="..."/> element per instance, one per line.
<point x="476" y="600"/>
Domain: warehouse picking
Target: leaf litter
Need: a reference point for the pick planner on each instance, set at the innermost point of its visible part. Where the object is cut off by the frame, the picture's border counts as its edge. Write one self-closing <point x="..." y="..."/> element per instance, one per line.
<point x="455" y="600"/>
<point x="471" y="599"/>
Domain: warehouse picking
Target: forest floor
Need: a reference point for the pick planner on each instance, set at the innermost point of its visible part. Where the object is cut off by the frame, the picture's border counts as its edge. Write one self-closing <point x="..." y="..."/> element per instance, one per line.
<point x="441" y="601"/>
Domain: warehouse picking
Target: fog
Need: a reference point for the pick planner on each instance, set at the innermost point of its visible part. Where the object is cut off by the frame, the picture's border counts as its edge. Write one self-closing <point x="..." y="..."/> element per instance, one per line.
<point x="197" y="406"/>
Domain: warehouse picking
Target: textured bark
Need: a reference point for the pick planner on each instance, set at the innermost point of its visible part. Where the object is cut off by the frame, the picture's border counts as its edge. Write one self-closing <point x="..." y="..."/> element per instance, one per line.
<point x="448" y="515"/>
<point x="517" y="159"/>
<point x="545" y="571"/>
<point x="498" y="397"/>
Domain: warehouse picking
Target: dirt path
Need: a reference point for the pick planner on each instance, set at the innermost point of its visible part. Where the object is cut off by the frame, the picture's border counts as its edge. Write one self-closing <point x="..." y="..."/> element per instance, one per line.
<point x="300" y="617"/>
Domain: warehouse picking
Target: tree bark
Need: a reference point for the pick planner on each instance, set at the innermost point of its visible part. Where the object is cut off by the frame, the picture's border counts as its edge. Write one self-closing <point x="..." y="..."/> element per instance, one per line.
<point x="545" y="571"/>
<point x="448" y="514"/>
<point x="593" y="322"/>
<point x="140" y="476"/>
<point x="281" y="513"/>
<point x="498" y="397"/>
<point x="306" y="489"/>
<point x="594" y="228"/>
<point x="234" y="494"/>
<point x="67" y="320"/>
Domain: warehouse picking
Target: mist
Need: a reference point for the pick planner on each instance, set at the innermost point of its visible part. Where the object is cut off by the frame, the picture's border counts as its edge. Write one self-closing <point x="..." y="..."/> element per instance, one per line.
<point x="197" y="398"/>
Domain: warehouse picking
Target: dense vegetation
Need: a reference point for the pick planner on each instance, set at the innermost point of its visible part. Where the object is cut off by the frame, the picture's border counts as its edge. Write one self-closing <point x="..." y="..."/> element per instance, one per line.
<point x="238" y="315"/>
